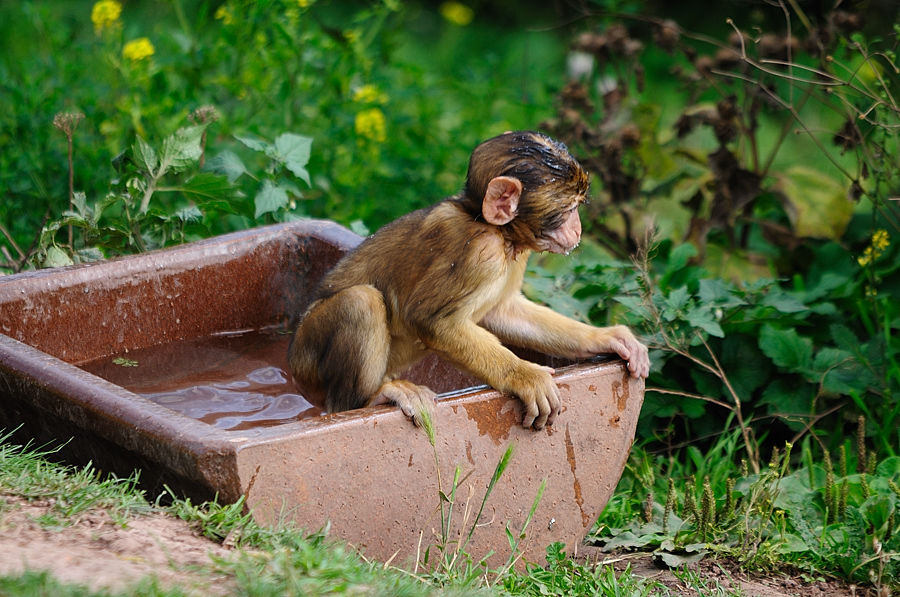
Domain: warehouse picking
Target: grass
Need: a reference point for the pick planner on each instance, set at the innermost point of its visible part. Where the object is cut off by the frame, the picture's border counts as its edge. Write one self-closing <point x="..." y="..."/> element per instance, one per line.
<point x="279" y="559"/>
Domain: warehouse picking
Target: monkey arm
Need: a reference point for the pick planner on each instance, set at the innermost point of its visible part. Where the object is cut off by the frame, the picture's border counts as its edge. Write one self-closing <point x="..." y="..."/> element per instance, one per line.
<point x="479" y="352"/>
<point x="520" y="322"/>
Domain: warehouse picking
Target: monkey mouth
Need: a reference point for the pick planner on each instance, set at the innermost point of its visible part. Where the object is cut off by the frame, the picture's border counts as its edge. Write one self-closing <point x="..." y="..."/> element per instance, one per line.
<point x="553" y="245"/>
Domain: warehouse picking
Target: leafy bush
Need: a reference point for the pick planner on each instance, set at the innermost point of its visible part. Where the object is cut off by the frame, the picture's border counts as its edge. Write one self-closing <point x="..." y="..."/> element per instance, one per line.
<point x="390" y="135"/>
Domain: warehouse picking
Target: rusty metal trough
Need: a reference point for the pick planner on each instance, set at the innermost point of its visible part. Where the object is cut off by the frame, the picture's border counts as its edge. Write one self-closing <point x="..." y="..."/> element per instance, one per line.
<point x="369" y="473"/>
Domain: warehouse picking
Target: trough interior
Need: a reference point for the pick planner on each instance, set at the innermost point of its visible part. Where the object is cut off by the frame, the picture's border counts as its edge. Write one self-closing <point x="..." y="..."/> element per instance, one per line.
<point x="200" y="329"/>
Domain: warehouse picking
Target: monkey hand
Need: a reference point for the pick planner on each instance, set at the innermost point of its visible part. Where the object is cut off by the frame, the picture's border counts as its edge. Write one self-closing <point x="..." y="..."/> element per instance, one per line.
<point x="416" y="402"/>
<point x="620" y="340"/>
<point x="538" y="392"/>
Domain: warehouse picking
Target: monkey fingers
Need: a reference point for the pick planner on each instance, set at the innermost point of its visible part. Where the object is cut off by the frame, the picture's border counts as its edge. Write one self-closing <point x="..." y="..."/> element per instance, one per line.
<point x="542" y="402"/>
<point x="416" y="402"/>
<point x="629" y="348"/>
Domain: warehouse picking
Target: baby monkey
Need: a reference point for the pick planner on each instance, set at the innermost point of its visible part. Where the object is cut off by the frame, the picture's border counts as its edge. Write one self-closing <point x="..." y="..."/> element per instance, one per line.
<point x="447" y="279"/>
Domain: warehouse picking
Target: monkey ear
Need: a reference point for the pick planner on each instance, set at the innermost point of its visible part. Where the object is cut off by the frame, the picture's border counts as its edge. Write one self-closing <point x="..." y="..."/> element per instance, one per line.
<point x="501" y="200"/>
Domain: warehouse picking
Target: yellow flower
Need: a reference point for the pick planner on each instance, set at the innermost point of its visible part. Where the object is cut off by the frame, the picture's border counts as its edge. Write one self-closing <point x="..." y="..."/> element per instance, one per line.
<point x="305" y="3"/>
<point x="138" y="49"/>
<point x="105" y="15"/>
<point x="369" y="94"/>
<point x="352" y="35"/>
<point x="224" y="14"/>
<point x="370" y="124"/>
<point x="880" y="241"/>
<point x="457" y="13"/>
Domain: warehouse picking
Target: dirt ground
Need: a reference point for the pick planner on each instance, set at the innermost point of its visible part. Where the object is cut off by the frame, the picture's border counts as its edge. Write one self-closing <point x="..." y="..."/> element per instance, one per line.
<point x="98" y="553"/>
<point x="776" y="585"/>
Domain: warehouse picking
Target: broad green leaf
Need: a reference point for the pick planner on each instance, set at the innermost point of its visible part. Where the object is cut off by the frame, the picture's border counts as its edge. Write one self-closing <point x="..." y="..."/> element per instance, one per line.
<point x="294" y="151"/>
<point x="782" y="301"/>
<point x="56" y="257"/>
<point x="844" y="337"/>
<point x="270" y="198"/>
<point x="817" y="203"/>
<point x="678" y="299"/>
<point x="791" y="543"/>
<point x="839" y="371"/>
<point x="227" y="163"/>
<point x="207" y="186"/>
<point x="680" y="256"/>
<point x="719" y="292"/>
<point x="254" y="144"/>
<point x="689" y="556"/>
<point x="788" y="398"/>
<point x="703" y="318"/>
<point x="747" y="367"/>
<point x="628" y="540"/>
<point x="786" y="348"/>
<point x="188" y="214"/>
<point x="88" y="255"/>
<point x="181" y="149"/>
<point x="79" y="200"/>
<point x="144" y="156"/>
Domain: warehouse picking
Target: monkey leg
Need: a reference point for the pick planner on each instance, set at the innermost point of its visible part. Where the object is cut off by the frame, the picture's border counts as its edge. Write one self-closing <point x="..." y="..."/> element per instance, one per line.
<point x="416" y="402"/>
<point x="340" y="351"/>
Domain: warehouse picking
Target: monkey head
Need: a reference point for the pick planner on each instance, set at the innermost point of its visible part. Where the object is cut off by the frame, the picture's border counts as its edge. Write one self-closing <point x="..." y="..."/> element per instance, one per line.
<point x="530" y="187"/>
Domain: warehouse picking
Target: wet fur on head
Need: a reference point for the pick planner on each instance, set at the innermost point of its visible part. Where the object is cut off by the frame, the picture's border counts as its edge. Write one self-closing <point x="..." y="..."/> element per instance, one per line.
<point x="552" y="181"/>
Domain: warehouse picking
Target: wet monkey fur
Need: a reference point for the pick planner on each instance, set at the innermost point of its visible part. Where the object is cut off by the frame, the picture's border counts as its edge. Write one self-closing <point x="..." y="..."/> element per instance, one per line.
<point x="447" y="279"/>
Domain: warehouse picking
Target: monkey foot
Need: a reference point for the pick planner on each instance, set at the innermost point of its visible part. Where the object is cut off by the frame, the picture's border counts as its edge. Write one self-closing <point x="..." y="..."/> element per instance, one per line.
<point x="416" y="402"/>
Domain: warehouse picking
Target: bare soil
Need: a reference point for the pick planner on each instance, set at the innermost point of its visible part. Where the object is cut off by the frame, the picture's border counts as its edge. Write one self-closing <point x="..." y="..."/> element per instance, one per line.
<point x="98" y="553"/>
<point x="730" y="577"/>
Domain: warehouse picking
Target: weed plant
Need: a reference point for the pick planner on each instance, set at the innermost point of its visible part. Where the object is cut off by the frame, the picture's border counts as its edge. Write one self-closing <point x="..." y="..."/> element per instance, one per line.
<point x="809" y="511"/>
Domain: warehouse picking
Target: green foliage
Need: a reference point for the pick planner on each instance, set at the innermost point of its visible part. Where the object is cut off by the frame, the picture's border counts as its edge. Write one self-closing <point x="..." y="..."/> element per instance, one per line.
<point x="393" y="124"/>
<point x="810" y="515"/>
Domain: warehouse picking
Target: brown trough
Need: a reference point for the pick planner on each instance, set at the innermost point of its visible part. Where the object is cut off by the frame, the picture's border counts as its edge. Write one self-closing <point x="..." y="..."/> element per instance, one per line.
<point x="172" y="362"/>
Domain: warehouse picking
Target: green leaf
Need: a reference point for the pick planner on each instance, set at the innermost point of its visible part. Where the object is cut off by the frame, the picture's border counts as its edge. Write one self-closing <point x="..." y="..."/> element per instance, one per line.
<point x="88" y="255"/>
<point x="270" y="198"/>
<point x="748" y="368"/>
<point x="144" y="155"/>
<point x="839" y="371"/>
<point x="56" y="257"/>
<point x="181" y="149"/>
<point x="254" y="144"/>
<point x="228" y="164"/>
<point x="720" y="293"/>
<point x="678" y="299"/>
<point x="788" y="398"/>
<point x="188" y="214"/>
<point x="294" y="151"/>
<point x="817" y="204"/>
<point x="674" y="560"/>
<point x="628" y="540"/>
<point x="791" y="544"/>
<point x="680" y="256"/>
<point x="786" y="348"/>
<point x="703" y="318"/>
<point x="208" y="186"/>
<point x="782" y="301"/>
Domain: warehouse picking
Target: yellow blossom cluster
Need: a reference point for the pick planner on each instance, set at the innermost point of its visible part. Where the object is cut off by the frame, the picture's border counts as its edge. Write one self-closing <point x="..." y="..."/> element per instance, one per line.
<point x="224" y="14"/>
<point x="105" y="15"/>
<point x="138" y="49"/>
<point x="880" y="241"/>
<point x="457" y="13"/>
<point x="369" y="94"/>
<point x="370" y="124"/>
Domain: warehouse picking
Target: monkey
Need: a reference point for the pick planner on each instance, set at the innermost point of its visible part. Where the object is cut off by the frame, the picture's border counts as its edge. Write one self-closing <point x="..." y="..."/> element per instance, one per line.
<point x="447" y="279"/>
